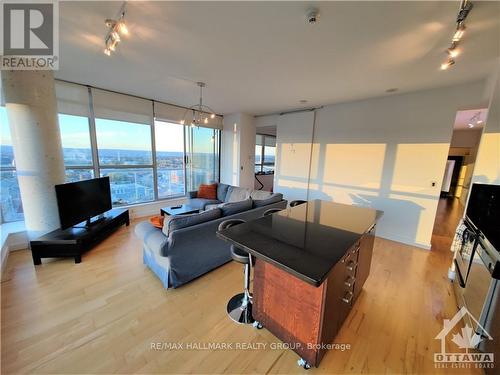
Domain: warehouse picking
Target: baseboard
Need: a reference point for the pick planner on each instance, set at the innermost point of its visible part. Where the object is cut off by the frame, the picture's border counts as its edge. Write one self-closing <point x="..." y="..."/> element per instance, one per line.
<point x="13" y="242"/>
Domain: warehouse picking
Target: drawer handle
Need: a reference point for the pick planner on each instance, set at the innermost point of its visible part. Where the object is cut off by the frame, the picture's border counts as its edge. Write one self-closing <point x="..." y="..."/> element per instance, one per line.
<point x="349" y="282"/>
<point x="351" y="266"/>
<point x="348" y="297"/>
<point x="355" y="250"/>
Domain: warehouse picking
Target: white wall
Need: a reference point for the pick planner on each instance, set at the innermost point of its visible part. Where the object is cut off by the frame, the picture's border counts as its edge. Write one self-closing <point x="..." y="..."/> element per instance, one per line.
<point x="466" y="138"/>
<point x="384" y="153"/>
<point x="238" y="150"/>
<point x="293" y="154"/>
<point x="487" y="166"/>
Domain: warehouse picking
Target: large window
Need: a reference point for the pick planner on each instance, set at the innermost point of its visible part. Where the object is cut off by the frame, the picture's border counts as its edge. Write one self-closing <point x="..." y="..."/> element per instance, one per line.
<point x="203" y="156"/>
<point x="12" y="209"/>
<point x="109" y="134"/>
<point x="124" y="150"/>
<point x="265" y="153"/>
<point x="77" y="149"/>
<point x="170" y="159"/>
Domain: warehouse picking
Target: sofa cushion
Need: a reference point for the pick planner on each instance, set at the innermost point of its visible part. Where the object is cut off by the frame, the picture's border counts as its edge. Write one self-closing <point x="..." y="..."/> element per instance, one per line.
<point x="207" y="191"/>
<point x="260" y="194"/>
<point x="222" y="191"/>
<point x="212" y="206"/>
<point x="183" y="221"/>
<point x="200" y="203"/>
<point x="236" y="194"/>
<point x="232" y="208"/>
<point x="273" y="198"/>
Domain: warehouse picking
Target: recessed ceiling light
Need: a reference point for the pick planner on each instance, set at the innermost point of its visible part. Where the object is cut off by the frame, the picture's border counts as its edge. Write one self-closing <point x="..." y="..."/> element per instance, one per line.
<point x="394" y="89"/>
<point x="303" y="101"/>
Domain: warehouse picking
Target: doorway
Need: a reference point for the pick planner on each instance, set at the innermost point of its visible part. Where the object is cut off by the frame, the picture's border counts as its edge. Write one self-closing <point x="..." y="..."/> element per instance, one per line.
<point x="457" y="176"/>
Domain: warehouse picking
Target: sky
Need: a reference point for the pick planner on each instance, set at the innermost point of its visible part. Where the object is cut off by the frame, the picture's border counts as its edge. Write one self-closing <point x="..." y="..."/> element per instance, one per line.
<point x="119" y="135"/>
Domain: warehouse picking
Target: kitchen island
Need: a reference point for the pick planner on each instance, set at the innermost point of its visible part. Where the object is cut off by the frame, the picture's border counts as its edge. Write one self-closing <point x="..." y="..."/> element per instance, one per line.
<point x="311" y="263"/>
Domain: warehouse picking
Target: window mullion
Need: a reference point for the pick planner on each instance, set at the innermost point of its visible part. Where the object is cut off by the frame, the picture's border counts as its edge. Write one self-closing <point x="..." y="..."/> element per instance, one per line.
<point x="153" y="156"/>
<point x="93" y="135"/>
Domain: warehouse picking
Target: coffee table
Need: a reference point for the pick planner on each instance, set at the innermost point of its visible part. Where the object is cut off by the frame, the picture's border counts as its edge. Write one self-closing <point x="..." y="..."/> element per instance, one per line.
<point x="182" y="209"/>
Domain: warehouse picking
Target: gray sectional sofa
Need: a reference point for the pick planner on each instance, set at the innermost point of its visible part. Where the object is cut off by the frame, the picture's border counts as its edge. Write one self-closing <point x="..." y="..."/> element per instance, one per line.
<point x="187" y="246"/>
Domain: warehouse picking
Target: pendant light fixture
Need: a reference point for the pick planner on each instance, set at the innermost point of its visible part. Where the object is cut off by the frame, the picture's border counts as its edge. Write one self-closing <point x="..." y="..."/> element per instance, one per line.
<point x="199" y="113"/>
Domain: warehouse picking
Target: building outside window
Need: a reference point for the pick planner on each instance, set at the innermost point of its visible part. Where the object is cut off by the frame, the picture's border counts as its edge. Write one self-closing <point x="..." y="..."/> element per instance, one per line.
<point x="170" y="168"/>
<point x="12" y="209"/>
<point x="77" y="149"/>
<point x="265" y="153"/>
<point x="125" y="155"/>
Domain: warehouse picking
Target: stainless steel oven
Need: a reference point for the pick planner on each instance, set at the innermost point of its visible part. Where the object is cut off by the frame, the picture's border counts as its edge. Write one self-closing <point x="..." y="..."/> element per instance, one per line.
<point x="481" y="295"/>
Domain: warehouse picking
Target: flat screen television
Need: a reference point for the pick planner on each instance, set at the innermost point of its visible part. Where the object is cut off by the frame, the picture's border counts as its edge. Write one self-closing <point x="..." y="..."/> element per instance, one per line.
<point x="483" y="210"/>
<point x="80" y="201"/>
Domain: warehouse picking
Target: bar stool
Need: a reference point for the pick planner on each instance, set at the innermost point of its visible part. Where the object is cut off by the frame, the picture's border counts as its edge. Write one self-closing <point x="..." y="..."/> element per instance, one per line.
<point x="271" y="211"/>
<point x="297" y="202"/>
<point x="239" y="307"/>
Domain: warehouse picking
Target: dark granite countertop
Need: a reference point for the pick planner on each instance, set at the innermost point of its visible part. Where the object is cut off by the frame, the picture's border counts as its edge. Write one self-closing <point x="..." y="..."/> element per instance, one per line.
<point x="306" y="240"/>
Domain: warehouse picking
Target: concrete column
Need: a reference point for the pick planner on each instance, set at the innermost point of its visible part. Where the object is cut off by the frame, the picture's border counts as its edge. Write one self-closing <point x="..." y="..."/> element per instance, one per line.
<point x="32" y="112"/>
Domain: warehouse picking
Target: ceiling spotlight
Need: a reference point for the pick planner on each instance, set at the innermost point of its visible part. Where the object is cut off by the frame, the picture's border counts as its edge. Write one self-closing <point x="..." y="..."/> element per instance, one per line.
<point x="459" y="33"/>
<point x="183" y="122"/>
<point x="122" y="28"/>
<point x="453" y="52"/>
<point x="115" y="36"/>
<point x="107" y="52"/>
<point x="206" y="120"/>
<point x="447" y="64"/>
<point x="471" y="125"/>
<point x="479" y="122"/>
<point x="212" y="116"/>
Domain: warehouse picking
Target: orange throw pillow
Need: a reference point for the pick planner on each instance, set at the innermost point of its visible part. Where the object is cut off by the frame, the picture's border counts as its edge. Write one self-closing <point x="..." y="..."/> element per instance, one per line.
<point x="207" y="191"/>
<point x="157" y="221"/>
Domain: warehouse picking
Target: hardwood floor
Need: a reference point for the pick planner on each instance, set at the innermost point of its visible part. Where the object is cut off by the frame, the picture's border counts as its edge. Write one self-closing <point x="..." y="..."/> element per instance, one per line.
<point x="104" y="314"/>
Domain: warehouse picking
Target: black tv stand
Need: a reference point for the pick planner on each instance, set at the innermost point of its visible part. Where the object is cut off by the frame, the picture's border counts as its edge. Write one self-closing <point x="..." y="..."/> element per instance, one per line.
<point x="74" y="241"/>
<point x="89" y="223"/>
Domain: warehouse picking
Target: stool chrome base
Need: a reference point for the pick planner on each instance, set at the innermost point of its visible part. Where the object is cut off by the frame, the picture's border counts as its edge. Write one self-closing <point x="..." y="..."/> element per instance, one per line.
<point x="239" y="309"/>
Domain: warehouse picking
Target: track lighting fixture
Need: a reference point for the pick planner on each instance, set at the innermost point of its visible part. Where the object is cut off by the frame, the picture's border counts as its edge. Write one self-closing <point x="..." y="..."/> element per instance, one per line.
<point x="475" y="120"/>
<point x="116" y="28"/>
<point x="447" y="64"/>
<point x="453" y="51"/>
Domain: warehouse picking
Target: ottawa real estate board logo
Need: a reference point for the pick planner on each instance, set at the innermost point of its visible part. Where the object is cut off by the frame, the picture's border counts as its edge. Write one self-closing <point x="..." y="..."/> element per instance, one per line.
<point x="30" y="35"/>
<point x="463" y="354"/>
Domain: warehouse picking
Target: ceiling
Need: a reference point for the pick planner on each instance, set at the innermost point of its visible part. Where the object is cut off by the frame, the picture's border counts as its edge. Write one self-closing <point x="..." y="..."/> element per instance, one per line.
<point x="262" y="57"/>
<point x="476" y="117"/>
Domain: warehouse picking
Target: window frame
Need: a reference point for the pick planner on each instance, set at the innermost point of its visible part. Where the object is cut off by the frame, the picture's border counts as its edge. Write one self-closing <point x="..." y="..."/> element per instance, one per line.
<point x="12" y="168"/>
<point x="97" y="168"/>
<point x="262" y="163"/>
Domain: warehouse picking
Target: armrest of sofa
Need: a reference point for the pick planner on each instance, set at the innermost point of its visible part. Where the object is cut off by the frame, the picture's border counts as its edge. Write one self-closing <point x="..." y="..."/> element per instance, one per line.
<point x="193" y="194"/>
<point x="152" y="237"/>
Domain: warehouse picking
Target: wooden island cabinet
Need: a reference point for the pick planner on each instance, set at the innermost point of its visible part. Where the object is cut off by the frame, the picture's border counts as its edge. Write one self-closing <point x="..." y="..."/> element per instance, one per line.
<point x="312" y="261"/>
